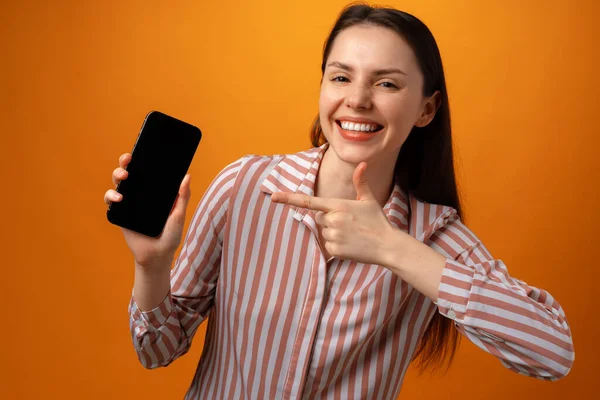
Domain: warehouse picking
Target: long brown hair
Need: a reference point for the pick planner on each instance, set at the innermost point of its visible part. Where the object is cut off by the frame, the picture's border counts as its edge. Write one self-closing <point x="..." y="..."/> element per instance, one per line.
<point x="425" y="165"/>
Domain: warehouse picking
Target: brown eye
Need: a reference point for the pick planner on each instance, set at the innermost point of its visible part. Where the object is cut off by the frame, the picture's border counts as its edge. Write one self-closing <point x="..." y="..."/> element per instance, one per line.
<point x="388" y="85"/>
<point x="339" y="78"/>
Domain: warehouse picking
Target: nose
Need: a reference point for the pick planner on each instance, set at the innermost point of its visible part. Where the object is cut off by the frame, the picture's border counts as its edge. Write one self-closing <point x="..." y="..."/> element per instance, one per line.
<point x="359" y="97"/>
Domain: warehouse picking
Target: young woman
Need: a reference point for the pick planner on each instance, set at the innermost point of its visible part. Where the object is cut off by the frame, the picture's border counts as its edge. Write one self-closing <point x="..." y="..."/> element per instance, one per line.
<point x="325" y="273"/>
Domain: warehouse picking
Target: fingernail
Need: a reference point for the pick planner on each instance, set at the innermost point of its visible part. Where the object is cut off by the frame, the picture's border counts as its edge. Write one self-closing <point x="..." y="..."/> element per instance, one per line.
<point x="118" y="196"/>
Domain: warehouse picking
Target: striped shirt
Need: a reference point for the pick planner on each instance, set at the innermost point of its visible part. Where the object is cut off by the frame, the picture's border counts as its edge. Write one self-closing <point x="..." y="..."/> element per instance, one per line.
<point x="285" y="323"/>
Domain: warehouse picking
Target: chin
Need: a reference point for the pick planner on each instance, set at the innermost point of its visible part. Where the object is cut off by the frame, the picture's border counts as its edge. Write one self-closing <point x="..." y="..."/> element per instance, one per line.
<point x="352" y="153"/>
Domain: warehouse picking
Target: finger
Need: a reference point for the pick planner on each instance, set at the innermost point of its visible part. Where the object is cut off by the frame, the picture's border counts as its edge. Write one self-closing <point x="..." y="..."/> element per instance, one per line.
<point x="328" y="234"/>
<point x="183" y="197"/>
<point x="124" y="160"/>
<point x="112" y="196"/>
<point x="304" y="201"/>
<point x="118" y="175"/>
<point x="336" y="219"/>
<point x="332" y="248"/>
<point x="320" y="218"/>
<point x="363" y="191"/>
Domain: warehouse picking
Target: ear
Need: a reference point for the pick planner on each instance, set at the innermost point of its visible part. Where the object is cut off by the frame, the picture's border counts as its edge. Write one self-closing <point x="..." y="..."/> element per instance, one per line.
<point x="429" y="108"/>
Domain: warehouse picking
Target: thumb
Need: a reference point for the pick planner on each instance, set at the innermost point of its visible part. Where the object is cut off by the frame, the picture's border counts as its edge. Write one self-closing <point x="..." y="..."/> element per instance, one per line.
<point x="183" y="198"/>
<point x="363" y="190"/>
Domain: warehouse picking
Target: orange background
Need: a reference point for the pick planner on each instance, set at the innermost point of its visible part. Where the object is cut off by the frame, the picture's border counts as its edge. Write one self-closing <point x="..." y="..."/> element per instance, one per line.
<point x="77" y="79"/>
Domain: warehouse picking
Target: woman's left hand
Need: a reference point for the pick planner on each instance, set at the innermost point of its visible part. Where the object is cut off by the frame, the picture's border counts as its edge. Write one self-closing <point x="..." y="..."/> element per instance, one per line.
<point x="352" y="229"/>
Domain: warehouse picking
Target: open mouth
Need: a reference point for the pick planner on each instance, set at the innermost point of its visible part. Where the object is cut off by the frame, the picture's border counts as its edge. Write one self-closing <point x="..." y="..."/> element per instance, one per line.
<point x="358" y="127"/>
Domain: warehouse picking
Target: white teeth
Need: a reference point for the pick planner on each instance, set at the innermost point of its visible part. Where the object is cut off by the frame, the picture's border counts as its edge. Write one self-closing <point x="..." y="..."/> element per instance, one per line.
<point x="350" y="126"/>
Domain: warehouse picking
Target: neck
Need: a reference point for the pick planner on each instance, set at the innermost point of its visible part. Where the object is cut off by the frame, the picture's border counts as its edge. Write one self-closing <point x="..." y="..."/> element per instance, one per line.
<point x="334" y="179"/>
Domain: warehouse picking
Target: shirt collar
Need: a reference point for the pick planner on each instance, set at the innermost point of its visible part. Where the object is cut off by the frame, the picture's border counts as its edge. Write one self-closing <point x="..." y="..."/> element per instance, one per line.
<point x="297" y="173"/>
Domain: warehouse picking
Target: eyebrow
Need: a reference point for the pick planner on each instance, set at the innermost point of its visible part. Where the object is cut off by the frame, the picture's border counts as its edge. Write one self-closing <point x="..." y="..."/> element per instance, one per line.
<point x="378" y="72"/>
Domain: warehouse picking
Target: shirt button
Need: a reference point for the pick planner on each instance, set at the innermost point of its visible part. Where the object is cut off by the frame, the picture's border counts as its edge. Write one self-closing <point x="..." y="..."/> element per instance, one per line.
<point x="451" y="314"/>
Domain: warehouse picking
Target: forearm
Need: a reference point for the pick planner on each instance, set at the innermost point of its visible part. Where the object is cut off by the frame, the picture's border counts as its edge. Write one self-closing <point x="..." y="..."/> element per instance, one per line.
<point x="521" y="325"/>
<point x="416" y="263"/>
<point x="151" y="285"/>
<point x="149" y="316"/>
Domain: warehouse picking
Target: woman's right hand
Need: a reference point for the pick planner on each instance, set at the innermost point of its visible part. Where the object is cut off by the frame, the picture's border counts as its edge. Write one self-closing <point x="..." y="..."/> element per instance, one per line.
<point x="148" y="252"/>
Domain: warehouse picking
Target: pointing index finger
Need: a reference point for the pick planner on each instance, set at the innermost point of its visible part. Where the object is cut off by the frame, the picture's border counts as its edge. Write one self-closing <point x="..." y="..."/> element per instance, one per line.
<point x="304" y="201"/>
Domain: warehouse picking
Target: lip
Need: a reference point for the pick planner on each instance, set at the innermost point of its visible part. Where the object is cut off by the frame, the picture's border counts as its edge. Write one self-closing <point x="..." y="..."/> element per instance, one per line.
<point x="358" y="120"/>
<point x="354" y="136"/>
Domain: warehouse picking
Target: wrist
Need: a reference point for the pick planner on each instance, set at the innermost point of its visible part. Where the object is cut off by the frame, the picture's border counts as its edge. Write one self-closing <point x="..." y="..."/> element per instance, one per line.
<point x="415" y="263"/>
<point x="154" y="263"/>
<point x="154" y="270"/>
<point x="394" y="251"/>
<point x="151" y="285"/>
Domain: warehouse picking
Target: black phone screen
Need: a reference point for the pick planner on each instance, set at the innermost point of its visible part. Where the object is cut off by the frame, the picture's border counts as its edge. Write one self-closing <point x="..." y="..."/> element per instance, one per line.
<point x="160" y="159"/>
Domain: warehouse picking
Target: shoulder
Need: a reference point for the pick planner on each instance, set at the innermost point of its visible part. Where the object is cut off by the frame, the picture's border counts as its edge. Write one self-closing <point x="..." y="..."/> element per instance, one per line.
<point x="253" y="170"/>
<point x="441" y="227"/>
<point x="427" y="218"/>
<point x="251" y="164"/>
<point x="302" y="159"/>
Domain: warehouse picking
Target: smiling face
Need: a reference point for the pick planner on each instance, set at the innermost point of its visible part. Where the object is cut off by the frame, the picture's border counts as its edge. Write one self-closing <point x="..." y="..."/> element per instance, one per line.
<point x="371" y="95"/>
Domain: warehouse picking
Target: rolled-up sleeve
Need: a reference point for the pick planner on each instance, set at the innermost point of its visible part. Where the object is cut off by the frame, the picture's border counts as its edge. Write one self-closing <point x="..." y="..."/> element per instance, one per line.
<point x="165" y="333"/>
<point x="523" y="326"/>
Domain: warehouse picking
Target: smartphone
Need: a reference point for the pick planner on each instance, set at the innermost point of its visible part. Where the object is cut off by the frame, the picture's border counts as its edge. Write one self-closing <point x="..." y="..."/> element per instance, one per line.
<point x="160" y="159"/>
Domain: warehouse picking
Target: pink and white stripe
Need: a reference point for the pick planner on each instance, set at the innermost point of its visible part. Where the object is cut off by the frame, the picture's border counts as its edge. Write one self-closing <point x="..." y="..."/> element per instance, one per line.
<point x="285" y="323"/>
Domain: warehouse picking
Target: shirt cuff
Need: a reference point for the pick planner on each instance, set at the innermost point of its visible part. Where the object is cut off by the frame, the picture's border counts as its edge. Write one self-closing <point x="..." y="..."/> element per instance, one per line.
<point x="454" y="290"/>
<point x="155" y="317"/>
